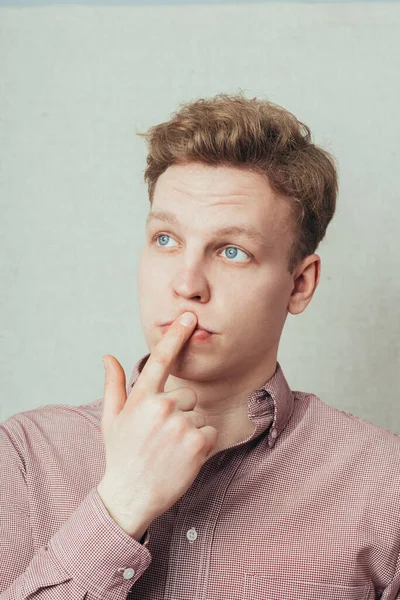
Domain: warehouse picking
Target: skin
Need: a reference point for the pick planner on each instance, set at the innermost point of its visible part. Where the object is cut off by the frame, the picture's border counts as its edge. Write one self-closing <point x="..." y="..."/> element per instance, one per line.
<point x="236" y="287"/>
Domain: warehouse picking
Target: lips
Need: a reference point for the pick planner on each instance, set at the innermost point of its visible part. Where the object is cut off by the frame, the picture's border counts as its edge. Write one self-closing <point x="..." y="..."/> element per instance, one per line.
<point x="197" y="327"/>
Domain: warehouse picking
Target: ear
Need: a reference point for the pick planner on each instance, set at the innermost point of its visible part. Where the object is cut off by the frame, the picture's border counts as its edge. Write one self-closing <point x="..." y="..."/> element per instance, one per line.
<point x="305" y="281"/>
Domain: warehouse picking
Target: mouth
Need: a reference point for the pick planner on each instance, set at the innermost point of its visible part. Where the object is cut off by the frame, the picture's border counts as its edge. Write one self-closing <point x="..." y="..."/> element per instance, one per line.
<point x="200" y="335"/>
<point x="165" y="327"/>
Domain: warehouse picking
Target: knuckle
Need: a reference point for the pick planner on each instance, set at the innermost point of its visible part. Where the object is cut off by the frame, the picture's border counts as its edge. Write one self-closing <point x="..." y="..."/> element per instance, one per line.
<point x="162" y="357"/>
<point x="200" y="419"/>
<point x="179" y="424"/>
<point x="165" y="405"/>
<point x="181" y="333"/>
<point x="196" y="441"/>
<point x="190" y="393"/>
<point x="107" y="385"/>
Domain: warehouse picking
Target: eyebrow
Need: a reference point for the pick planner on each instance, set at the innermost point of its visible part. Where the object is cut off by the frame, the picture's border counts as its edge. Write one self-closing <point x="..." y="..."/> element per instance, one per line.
<point x="250" y="232"/>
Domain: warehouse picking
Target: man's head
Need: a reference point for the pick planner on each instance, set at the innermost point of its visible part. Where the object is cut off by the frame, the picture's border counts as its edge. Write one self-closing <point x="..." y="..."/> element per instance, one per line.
<point x="223" y="163"/>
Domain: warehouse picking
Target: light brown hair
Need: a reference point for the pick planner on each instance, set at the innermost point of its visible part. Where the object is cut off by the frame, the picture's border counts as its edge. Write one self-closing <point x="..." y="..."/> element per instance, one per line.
<point x="258" y="135"/>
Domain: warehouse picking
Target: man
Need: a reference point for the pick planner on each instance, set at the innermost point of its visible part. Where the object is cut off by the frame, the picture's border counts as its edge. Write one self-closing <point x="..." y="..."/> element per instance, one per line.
<point x="208" y="477"/>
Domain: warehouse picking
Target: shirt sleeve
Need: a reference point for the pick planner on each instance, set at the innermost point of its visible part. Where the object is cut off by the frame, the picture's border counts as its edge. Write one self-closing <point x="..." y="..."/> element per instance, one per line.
<point x="89" y="558"/>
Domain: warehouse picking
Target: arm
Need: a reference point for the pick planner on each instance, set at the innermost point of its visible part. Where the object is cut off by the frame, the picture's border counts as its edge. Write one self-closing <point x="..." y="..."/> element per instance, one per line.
<point x="84" y="560"/>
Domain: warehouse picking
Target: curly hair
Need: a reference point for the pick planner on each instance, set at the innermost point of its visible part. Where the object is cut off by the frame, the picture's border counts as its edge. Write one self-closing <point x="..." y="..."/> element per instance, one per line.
<point x="258" y="135"/>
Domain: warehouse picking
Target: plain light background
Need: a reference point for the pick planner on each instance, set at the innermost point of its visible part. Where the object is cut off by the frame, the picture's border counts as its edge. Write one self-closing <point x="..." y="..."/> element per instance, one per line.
<point x="77" y="82"/>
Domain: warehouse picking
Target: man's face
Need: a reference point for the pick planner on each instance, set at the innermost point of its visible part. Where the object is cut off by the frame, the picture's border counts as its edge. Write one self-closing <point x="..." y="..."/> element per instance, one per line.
<point x="237" y="286"/>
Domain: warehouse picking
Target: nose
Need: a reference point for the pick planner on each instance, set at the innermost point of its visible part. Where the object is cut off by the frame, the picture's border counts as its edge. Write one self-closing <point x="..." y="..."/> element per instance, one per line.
<point x="191" y="284"/>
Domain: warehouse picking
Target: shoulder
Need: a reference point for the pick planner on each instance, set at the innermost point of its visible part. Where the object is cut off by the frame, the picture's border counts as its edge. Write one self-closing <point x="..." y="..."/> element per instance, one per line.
<point x="342" y="430"/>
<point x="52" y="421"/>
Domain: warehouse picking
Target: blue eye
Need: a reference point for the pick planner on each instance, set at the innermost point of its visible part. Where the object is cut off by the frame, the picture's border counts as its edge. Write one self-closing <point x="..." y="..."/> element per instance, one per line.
<point x="163" y="235"/>
<point x="233" y="250"/>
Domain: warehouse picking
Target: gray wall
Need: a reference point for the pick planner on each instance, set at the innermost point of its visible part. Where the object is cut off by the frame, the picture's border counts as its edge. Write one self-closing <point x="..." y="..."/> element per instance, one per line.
<point x="76" y="83"/>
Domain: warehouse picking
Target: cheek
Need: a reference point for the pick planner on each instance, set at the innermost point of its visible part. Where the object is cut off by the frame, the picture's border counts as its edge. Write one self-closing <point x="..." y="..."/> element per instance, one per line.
<point x="153" y="279"/>
<point x="148" y="269"/>
<point x="264" y="297"/>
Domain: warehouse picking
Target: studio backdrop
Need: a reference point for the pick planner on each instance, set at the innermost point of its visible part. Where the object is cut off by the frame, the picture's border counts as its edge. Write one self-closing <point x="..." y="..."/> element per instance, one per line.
<point x="76" y="84"/>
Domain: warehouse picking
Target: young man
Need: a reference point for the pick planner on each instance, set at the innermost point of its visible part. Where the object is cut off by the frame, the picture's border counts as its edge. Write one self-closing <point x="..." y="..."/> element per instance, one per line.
<point x="208" y="477"/>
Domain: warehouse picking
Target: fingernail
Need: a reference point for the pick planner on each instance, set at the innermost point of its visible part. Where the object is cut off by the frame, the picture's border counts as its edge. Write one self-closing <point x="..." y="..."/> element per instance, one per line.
<point x="187" y="319"/>
<point x="104" y="363"/>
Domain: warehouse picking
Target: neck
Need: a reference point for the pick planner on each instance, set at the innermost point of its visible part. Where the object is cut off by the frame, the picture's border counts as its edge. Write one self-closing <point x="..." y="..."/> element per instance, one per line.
<point x="225" y="404"/>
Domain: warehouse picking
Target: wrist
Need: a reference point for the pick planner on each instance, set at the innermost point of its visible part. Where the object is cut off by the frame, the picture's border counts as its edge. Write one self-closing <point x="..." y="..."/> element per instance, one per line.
<point x="132" y="522"/>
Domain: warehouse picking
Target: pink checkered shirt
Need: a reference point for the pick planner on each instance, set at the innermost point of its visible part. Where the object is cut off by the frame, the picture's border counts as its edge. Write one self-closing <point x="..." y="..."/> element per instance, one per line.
<point x="306" y="508"/>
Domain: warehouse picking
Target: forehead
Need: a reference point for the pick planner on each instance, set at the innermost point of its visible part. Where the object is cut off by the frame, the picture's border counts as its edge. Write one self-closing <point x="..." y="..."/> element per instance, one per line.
<point x="221" y="196"/>
<point x="199" y="179"/>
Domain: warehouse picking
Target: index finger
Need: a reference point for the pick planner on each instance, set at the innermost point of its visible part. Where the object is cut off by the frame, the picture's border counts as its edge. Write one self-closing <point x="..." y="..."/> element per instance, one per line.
<point x="156" y="370"/>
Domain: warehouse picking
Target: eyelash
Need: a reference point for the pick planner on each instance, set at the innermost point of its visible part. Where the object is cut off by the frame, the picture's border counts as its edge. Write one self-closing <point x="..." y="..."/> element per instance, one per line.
<point x="229" y="246"/>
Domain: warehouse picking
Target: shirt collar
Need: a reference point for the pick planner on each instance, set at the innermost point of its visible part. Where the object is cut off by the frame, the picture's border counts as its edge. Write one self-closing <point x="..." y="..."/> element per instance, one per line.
<point x="269" y="406"/>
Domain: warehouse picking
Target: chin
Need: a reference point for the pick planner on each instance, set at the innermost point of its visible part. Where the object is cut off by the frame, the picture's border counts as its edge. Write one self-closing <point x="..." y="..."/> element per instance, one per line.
<point x="194" y="367"/>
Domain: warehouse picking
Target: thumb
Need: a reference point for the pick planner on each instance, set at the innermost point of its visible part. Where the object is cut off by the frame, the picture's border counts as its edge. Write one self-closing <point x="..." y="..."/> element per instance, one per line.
<point x="114" y="390"/>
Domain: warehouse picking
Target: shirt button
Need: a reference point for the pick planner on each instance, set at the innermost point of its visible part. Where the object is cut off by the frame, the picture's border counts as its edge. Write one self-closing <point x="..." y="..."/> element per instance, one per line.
<point x="274" y="433"/>
<point x="128" y="573"/>
<point x="191" y="535"/>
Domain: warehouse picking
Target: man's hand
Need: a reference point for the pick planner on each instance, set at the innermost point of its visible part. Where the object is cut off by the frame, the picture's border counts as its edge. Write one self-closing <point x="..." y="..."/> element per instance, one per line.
<point x="155" y="442"/>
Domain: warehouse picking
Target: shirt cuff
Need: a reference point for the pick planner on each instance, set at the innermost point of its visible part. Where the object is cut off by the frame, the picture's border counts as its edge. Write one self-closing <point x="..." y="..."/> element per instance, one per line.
<point x="97" y="553"/>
